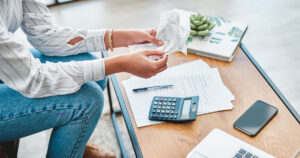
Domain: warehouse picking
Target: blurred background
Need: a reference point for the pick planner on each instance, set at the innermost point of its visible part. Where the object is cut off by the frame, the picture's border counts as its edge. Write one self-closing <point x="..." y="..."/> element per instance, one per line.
<point x="272" y="38"/>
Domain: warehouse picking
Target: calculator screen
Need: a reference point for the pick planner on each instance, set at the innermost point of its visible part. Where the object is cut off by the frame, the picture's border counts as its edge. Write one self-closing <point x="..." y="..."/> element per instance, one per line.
<point x="185" y="114"/>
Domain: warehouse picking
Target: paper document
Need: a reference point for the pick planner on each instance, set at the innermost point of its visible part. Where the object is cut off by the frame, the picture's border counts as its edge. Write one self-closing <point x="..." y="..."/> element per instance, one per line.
<point x="173" y="30"/>
<point x="191" y="79"/>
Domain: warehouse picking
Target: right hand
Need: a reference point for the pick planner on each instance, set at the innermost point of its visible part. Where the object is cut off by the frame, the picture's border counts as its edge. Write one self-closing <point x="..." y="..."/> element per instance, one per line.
<point x="139" y="64"/>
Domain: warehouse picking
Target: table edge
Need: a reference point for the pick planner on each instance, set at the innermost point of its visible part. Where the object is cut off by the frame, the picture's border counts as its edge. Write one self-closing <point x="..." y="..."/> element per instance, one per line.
<point x="134" y="141"/>
<point x="271" y="83"/>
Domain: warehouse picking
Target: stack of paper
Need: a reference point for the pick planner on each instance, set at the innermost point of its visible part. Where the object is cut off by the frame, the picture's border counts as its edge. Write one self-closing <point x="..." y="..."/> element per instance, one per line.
<point x="191" y="79"/>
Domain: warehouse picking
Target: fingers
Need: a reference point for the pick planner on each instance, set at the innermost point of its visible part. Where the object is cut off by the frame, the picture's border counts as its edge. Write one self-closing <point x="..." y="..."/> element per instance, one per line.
<point x="152" y="32"/>
<point x="151" y="38"/>
<point x="161" y="62"/>
<point x="162" y="68"/>
<point x="153" y="53"/>
<point x="154" y="40"/>
<point x="158" y="67"/>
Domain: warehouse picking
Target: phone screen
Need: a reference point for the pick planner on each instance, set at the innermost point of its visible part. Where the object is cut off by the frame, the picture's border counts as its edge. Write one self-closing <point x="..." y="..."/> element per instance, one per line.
<point x="255" y="118"/>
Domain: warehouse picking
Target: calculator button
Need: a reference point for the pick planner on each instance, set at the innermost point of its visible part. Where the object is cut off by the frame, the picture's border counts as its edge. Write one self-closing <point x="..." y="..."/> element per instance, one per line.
<point x="173" y="104"/>
<point x="155" y="102"/>
<point x="163" y="107"/>
<point x="174" y="99"/>
<point x="163" y="110"/>
<point x="154" y="106"/>
<point x="156" y="99"/>
<point x="172" y="111"/>
<point x="238" y="155"/>
<point x="167" y="111"/>
<point x="162" y="115"/>
<point x="168" y="107"/>
<point x="158" y="110"/>
<point x="248" y="155"/>
<point x="175" y="116"/>
<point x="173" y="108"/>
<point x="153" y="110"/>
<point x="176" y="112"/>
<point x="158" y="106"/>
<point x="164" y="103"/>
<point x="171" y="116"/>
<point x="170" y="99"/>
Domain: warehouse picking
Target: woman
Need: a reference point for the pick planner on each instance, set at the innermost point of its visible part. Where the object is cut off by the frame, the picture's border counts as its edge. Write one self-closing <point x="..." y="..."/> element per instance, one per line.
<point x="58" y="85"/>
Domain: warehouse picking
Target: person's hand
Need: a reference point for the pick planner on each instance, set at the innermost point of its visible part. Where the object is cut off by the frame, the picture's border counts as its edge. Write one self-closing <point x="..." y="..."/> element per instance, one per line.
<point x="137" y="63"/>
<point x="124" y="38"/>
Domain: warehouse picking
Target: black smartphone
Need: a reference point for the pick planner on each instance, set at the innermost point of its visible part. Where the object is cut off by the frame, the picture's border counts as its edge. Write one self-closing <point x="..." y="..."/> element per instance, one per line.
<point x="255" y="118"/>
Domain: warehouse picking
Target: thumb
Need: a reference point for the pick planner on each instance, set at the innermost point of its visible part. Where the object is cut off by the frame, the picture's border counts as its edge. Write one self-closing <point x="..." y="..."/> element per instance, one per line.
<point x="154" y="40"/>
<point x="161" y="62"/>
<point x="153" y="53"/>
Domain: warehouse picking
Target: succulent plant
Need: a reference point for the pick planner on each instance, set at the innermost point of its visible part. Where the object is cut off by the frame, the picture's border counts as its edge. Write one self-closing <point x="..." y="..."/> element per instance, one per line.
<point x="200" y="25"/>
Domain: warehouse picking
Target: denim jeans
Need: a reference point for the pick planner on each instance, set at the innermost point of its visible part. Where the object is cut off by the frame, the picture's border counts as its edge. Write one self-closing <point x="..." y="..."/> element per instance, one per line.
<point x="73" y="117"/>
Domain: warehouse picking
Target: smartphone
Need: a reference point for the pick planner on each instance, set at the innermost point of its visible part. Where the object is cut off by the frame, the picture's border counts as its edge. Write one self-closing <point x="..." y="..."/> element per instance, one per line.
<point x="255" y="118"/>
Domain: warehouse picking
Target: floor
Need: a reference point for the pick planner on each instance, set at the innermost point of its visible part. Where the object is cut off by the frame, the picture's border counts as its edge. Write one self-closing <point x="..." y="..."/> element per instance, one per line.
<point x="272" y="38"/>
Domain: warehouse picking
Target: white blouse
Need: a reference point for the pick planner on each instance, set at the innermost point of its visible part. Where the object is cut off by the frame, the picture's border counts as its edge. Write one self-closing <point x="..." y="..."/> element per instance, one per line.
<point x="22" y="72"/>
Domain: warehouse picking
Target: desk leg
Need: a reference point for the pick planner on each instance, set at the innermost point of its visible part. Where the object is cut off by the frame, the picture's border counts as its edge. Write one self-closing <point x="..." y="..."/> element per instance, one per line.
<point x="114" y="114"/>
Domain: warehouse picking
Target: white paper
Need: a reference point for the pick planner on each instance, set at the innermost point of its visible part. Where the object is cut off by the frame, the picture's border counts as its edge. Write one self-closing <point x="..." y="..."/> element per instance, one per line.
<point x="173" y="30"/>
<point x="197" y="66"/>
<point x="191" y="79"/>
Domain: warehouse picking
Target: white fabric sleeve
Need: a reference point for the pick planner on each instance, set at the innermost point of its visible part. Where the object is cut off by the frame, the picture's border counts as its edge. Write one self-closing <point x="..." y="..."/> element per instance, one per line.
<point x="52" y="40"/>
<point x="27" y="75"/>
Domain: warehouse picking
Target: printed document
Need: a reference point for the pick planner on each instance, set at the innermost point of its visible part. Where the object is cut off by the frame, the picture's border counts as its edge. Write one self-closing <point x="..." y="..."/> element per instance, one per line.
<point x="191" y="79"/>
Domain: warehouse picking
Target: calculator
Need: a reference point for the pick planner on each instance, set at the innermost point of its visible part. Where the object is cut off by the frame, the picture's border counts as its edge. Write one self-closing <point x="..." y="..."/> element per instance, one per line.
<point x="175" y="109"/>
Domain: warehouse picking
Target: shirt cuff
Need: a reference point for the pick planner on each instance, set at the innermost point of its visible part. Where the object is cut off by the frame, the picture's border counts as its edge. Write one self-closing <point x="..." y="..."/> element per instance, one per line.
<point x="95" y="40"/>
<point x="93" y="70"/>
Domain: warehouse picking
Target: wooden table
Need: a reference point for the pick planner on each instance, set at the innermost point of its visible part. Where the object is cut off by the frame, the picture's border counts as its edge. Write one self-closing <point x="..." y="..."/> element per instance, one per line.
<point x="281" y="137"/>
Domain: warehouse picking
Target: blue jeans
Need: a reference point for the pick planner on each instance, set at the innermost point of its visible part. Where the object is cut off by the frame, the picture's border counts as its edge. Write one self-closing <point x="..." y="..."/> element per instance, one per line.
<point x="73" y="117"/>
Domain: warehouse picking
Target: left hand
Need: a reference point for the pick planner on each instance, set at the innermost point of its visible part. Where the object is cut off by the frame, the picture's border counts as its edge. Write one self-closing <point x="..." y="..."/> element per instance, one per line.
<point x="124" y="38"/>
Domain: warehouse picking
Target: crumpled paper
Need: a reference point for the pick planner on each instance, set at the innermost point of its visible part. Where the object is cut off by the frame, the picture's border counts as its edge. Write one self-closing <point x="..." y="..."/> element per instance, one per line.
<point x="173" y="30"/>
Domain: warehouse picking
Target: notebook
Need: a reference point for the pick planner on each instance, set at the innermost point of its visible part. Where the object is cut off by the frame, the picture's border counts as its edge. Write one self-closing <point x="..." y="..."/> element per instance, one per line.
<point x="221" y="42"/>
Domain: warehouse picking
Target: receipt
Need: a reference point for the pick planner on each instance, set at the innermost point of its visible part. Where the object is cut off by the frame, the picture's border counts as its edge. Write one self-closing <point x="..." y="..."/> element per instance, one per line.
<point x="173" y="30"/>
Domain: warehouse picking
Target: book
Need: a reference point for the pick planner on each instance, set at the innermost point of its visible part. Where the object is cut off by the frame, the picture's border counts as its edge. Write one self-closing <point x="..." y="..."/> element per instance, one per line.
<point x="221" y="42"/>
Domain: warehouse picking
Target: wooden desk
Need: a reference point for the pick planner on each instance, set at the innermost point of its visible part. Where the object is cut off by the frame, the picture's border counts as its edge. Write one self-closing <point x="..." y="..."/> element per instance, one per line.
<point x="281" y="137"/>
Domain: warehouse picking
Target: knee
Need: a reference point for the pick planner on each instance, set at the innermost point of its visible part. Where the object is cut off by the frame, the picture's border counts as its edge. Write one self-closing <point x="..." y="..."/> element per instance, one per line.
<point x="103" y="83"/>
<point x="94" y="98"/>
